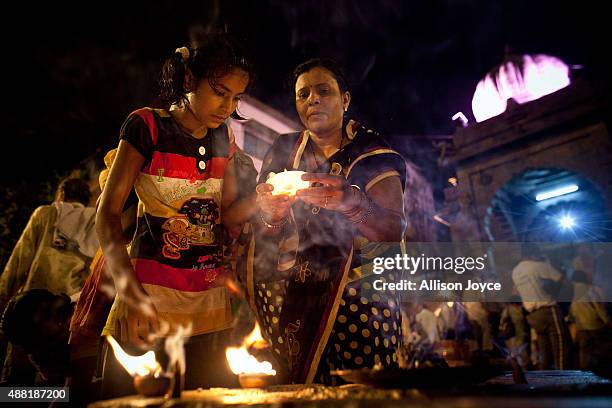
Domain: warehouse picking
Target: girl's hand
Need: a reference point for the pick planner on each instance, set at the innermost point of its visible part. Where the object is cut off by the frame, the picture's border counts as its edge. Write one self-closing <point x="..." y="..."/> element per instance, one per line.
<point x="332" y="192"/>
<point x="274" y="208"/>
<point x="137" y="318"/>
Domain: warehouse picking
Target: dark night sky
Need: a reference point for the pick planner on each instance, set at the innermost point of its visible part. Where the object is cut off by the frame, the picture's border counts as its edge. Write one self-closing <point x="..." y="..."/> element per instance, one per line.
<point x="72" y="73"/>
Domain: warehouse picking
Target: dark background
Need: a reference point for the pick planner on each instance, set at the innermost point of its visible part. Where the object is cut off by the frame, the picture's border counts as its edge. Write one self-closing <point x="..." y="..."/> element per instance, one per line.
<point x="73" y="71"/>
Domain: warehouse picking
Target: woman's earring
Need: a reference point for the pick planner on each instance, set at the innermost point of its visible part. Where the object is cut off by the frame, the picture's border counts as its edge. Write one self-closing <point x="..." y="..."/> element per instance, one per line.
<point x="345" y="109"/>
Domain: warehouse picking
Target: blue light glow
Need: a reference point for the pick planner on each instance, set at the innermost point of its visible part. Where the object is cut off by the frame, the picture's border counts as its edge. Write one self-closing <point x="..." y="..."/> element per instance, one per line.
<point x="557" y="192"/>
<point x="567" y="222"/>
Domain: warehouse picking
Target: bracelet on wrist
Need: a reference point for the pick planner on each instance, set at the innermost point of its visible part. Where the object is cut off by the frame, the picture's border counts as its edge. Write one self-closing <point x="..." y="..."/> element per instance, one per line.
<point x="351" y="212"/>
<point x="364" y="214"/>
<point x="271" y="225"/>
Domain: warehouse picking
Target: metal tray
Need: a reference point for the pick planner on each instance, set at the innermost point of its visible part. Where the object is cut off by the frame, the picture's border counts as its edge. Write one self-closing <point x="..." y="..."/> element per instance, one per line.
<point x="422" y="377"/>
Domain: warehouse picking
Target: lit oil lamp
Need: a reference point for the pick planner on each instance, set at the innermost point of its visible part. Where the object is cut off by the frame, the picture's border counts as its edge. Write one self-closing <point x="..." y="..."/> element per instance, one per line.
<point x="149" y="378"/>
<point x="251" y="372"/>
<point x="287" y="182"/>
<point x="151" y="386"/>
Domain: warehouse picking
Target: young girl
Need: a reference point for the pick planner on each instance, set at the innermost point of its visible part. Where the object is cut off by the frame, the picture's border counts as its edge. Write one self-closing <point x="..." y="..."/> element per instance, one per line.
<point x="180" y="161"/>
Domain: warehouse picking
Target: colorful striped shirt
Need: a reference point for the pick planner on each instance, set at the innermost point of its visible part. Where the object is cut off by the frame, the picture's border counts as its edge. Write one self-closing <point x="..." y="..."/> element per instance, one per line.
<point x="177" y="247"/>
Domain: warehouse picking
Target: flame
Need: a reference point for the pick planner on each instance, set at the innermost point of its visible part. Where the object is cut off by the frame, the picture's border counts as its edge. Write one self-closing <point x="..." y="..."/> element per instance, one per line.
<point x="450" y="304"/>
<point x="255" y="339"/>
<point x="135" y="365"/>
<point x="241" y="362"/>
<point x="287" y="182"/>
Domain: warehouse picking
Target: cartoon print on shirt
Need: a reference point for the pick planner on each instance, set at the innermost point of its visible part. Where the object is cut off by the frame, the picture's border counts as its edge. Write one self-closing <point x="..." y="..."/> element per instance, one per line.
<point x="202" y="214"/>
<point x="196" y="227"/>
<point x="176" y="238"/>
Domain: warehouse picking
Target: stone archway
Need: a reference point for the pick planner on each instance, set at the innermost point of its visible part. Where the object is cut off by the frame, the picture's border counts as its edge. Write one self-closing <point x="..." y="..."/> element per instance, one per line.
<point x="565" y="130"/>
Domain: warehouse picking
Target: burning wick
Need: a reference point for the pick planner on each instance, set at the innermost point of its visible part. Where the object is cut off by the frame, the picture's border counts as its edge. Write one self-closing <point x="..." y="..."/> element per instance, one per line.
<point x="149" y="378"/>
<point x="136" y="365"/>
<point x="251" y="372"/>
<point x="287" y="182"/>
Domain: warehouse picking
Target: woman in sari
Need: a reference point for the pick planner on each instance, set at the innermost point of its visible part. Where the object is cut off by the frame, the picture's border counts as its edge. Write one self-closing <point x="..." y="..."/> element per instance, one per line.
<point x="316" y="305"/>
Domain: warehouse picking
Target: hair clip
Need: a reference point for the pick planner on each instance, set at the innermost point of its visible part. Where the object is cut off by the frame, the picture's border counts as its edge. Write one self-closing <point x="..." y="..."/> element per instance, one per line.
<point x="184" y="51"/>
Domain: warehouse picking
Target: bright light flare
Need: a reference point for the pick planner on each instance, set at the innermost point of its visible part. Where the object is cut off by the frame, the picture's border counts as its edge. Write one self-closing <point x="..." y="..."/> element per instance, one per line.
<point x="567" y="222"/>
<point x="557" y="192"/>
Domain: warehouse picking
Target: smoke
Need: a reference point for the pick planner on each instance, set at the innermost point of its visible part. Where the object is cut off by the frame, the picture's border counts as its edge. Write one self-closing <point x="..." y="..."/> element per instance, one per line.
<point x="174" y="347"/>
<point x="140" y="301"/>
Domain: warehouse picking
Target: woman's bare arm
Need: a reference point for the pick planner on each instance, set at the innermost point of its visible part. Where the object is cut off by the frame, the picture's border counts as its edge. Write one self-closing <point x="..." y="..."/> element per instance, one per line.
<point x="386" y="223"/>
<point x="378" y="213"/>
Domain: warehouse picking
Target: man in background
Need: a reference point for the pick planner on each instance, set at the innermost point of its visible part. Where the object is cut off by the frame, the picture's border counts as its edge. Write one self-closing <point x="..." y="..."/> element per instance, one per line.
<point x="535" y="281"/>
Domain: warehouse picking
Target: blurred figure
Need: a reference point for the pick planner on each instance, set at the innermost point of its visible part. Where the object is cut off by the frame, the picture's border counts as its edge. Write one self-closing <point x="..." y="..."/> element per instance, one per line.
<point x="36" y="321"/>
<point x="448" y="320"/>
<point x="535" y="281"/>
<point x="462" y="332"/>
<point x="56" y="246"/>
<point x="593" y="324"/>
<point x="427" y="325"/>
<point x="409" y="334"/>
<point x="53" y="252"/>
<point x="479" y="322"/>
<point x="514" y="329"/>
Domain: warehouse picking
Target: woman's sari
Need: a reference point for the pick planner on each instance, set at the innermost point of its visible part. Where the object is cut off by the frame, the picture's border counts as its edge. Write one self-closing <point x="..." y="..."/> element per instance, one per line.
<point x="316" y="305"/>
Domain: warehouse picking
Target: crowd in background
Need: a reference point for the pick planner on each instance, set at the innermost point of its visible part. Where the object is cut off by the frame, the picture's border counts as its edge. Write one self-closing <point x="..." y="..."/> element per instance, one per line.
<point x="540" y="335"/>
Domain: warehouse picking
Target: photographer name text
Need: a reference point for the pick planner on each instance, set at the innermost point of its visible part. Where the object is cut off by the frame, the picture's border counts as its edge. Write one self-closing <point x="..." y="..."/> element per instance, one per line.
<point x="436" y="285"/>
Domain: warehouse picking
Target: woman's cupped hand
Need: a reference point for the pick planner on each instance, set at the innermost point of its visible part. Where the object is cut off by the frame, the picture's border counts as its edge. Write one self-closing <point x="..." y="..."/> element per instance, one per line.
<point x="328" y="191"/>
<point x="274" y="207"/>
